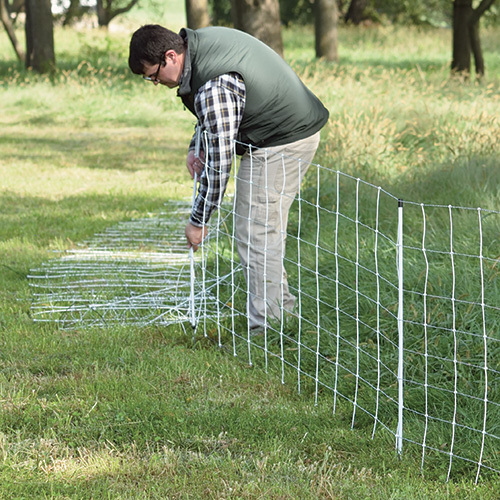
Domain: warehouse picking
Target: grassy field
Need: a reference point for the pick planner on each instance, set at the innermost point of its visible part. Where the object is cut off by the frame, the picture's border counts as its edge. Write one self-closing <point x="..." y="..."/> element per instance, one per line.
<point x="141" y="412"/>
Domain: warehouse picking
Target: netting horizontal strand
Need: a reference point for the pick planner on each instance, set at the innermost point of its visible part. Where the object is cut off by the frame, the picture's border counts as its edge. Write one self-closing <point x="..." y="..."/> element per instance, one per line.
<point x="459" y="362"/>
<point x="472" y="210"/>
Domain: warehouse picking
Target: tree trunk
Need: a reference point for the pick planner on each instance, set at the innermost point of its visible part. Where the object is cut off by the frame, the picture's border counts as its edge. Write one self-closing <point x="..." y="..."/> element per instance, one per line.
<point x="466" y="36"/>
<point x="260" y="18"/>
<point x="355" y="11"/>
<point x="462" y="12"/>
<point x="39" y="36"/>
<point x="103" y="18"/>
<point x="475" y="41"/>
<point x="72" y="12"/>
<point x="197" y="14"/>
<point x="475" y="44"/>
<point x="9" y="28"/>
<point x="325" y="29"/>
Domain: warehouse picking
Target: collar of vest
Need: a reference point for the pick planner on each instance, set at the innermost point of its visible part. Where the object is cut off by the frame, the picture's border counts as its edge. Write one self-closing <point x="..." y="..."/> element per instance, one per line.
<point x="185" y="82"/>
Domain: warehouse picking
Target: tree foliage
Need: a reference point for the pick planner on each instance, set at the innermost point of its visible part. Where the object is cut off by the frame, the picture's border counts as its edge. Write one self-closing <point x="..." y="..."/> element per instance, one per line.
<point x="109" y="9"/>
<point x="433" y="12"/>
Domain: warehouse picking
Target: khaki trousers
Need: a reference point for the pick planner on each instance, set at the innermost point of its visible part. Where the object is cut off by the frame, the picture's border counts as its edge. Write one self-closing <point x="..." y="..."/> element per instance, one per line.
<point x="266" y="185"/>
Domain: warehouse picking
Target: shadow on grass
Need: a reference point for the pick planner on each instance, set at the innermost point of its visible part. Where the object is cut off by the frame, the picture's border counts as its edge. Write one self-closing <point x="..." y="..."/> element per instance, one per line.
<point x="475" y="183"/>
<point x="376" y="65"/>
<point x="65" y="64"/>
<point x="467" y="181"/>
<point x="91" y="149"/>
<point x="31" y="226"/>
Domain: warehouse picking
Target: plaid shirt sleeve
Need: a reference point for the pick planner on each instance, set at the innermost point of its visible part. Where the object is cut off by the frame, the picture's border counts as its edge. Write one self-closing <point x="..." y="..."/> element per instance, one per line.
<point x="219" y="106"/>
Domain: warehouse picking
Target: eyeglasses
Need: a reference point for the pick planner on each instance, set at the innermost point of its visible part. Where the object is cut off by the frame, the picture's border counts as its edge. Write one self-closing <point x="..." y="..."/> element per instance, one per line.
<point x="154" y="78"/>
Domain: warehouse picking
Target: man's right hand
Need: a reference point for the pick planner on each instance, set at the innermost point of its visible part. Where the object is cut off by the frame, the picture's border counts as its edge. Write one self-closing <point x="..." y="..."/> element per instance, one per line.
<point x="195" y="164"/>
<point x="195" y="235"/>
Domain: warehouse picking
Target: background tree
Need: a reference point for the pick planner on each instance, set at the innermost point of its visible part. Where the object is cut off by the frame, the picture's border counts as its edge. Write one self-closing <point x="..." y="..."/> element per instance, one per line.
<point x="355" y="12"/>
<point x="295" y="12"/>
<point x="325" y="29"/>
<point x="466" y="36"/>
<point x="260" y="18"/>
<point x="197" y="14"/>
<point x="39" y="29"/>
<point x="9" y="28"/>
<point x="220" y="12"/>
<point x="109" y="9"/>
<point x="74" y="12"/>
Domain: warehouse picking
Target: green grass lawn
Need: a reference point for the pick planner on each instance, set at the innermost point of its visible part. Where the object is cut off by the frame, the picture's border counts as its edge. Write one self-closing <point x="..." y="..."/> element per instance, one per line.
<point x="132" y="412"/>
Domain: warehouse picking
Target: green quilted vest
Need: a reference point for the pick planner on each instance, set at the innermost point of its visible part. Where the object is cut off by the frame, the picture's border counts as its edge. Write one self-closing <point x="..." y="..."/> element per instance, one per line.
<point x="279" y="108"/>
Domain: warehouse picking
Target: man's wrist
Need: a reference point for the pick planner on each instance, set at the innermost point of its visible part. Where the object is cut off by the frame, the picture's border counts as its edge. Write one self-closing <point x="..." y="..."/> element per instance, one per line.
<point x="195" y="223"/>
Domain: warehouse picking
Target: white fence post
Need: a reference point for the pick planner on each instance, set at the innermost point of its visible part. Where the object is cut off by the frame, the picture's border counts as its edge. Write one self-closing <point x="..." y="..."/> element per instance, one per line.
<point x="399" y="247"/>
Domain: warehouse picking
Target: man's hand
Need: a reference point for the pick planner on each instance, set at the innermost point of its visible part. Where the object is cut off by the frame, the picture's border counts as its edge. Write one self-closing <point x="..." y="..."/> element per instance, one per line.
<point x="195" y="235"/>
<point x="195" y="164"/>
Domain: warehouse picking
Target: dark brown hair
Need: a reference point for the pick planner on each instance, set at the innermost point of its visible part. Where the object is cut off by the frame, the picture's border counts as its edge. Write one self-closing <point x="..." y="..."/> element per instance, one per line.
<point x="149" y="43"/>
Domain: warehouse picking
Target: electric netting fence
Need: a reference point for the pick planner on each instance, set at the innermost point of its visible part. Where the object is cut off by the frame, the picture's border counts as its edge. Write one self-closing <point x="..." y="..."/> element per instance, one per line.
<point x="397" y="312"/>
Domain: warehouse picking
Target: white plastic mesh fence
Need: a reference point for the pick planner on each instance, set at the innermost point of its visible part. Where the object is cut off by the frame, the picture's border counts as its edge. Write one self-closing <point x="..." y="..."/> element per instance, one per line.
<point x="397" y="314"/>
<point x="397" y="311"/>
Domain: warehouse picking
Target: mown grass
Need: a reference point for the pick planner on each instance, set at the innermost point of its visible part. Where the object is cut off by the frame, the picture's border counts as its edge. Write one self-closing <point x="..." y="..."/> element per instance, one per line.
<point x="142" y="413"/>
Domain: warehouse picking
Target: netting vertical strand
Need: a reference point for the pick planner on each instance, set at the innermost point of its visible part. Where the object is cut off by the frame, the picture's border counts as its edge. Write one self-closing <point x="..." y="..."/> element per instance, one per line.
<point x="204" y="136"/>
<point x="317" y="286"/>
<point x="250" y="152"/>
<point x="399" y="245"/>
<point x="233" y="239"/>
<point x="266" y="180"/>
<point x="191" y="250"/>
<point x="217" y="258"/>
<point x="377" y="274"/>
<point x="356" y="223"/>
<point x="426" y="347"/>
<point x="337" y="308"/>
<point x="485" y="344"/>
<point x="299" y="281"/>
<point x="192" y="312"/>
<point x="454" y="331"/>
<point x="282" y="291"/>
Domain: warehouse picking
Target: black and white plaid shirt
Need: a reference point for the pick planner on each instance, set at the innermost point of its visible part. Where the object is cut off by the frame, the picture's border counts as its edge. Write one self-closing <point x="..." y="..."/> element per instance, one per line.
<point x="219" y="106"/>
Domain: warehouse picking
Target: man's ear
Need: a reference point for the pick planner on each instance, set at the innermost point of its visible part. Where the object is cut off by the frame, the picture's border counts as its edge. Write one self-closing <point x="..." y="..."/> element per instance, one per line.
<point x="171" y="55"/>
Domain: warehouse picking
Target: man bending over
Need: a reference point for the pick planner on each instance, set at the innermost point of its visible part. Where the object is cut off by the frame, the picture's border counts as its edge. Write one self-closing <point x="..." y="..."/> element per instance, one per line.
<point x="240" y="90"/>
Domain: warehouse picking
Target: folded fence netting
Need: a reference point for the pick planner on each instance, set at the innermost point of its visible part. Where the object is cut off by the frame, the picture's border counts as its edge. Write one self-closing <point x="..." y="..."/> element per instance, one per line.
<point x="137" y="272"/>
<point x="397" y="310"/>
